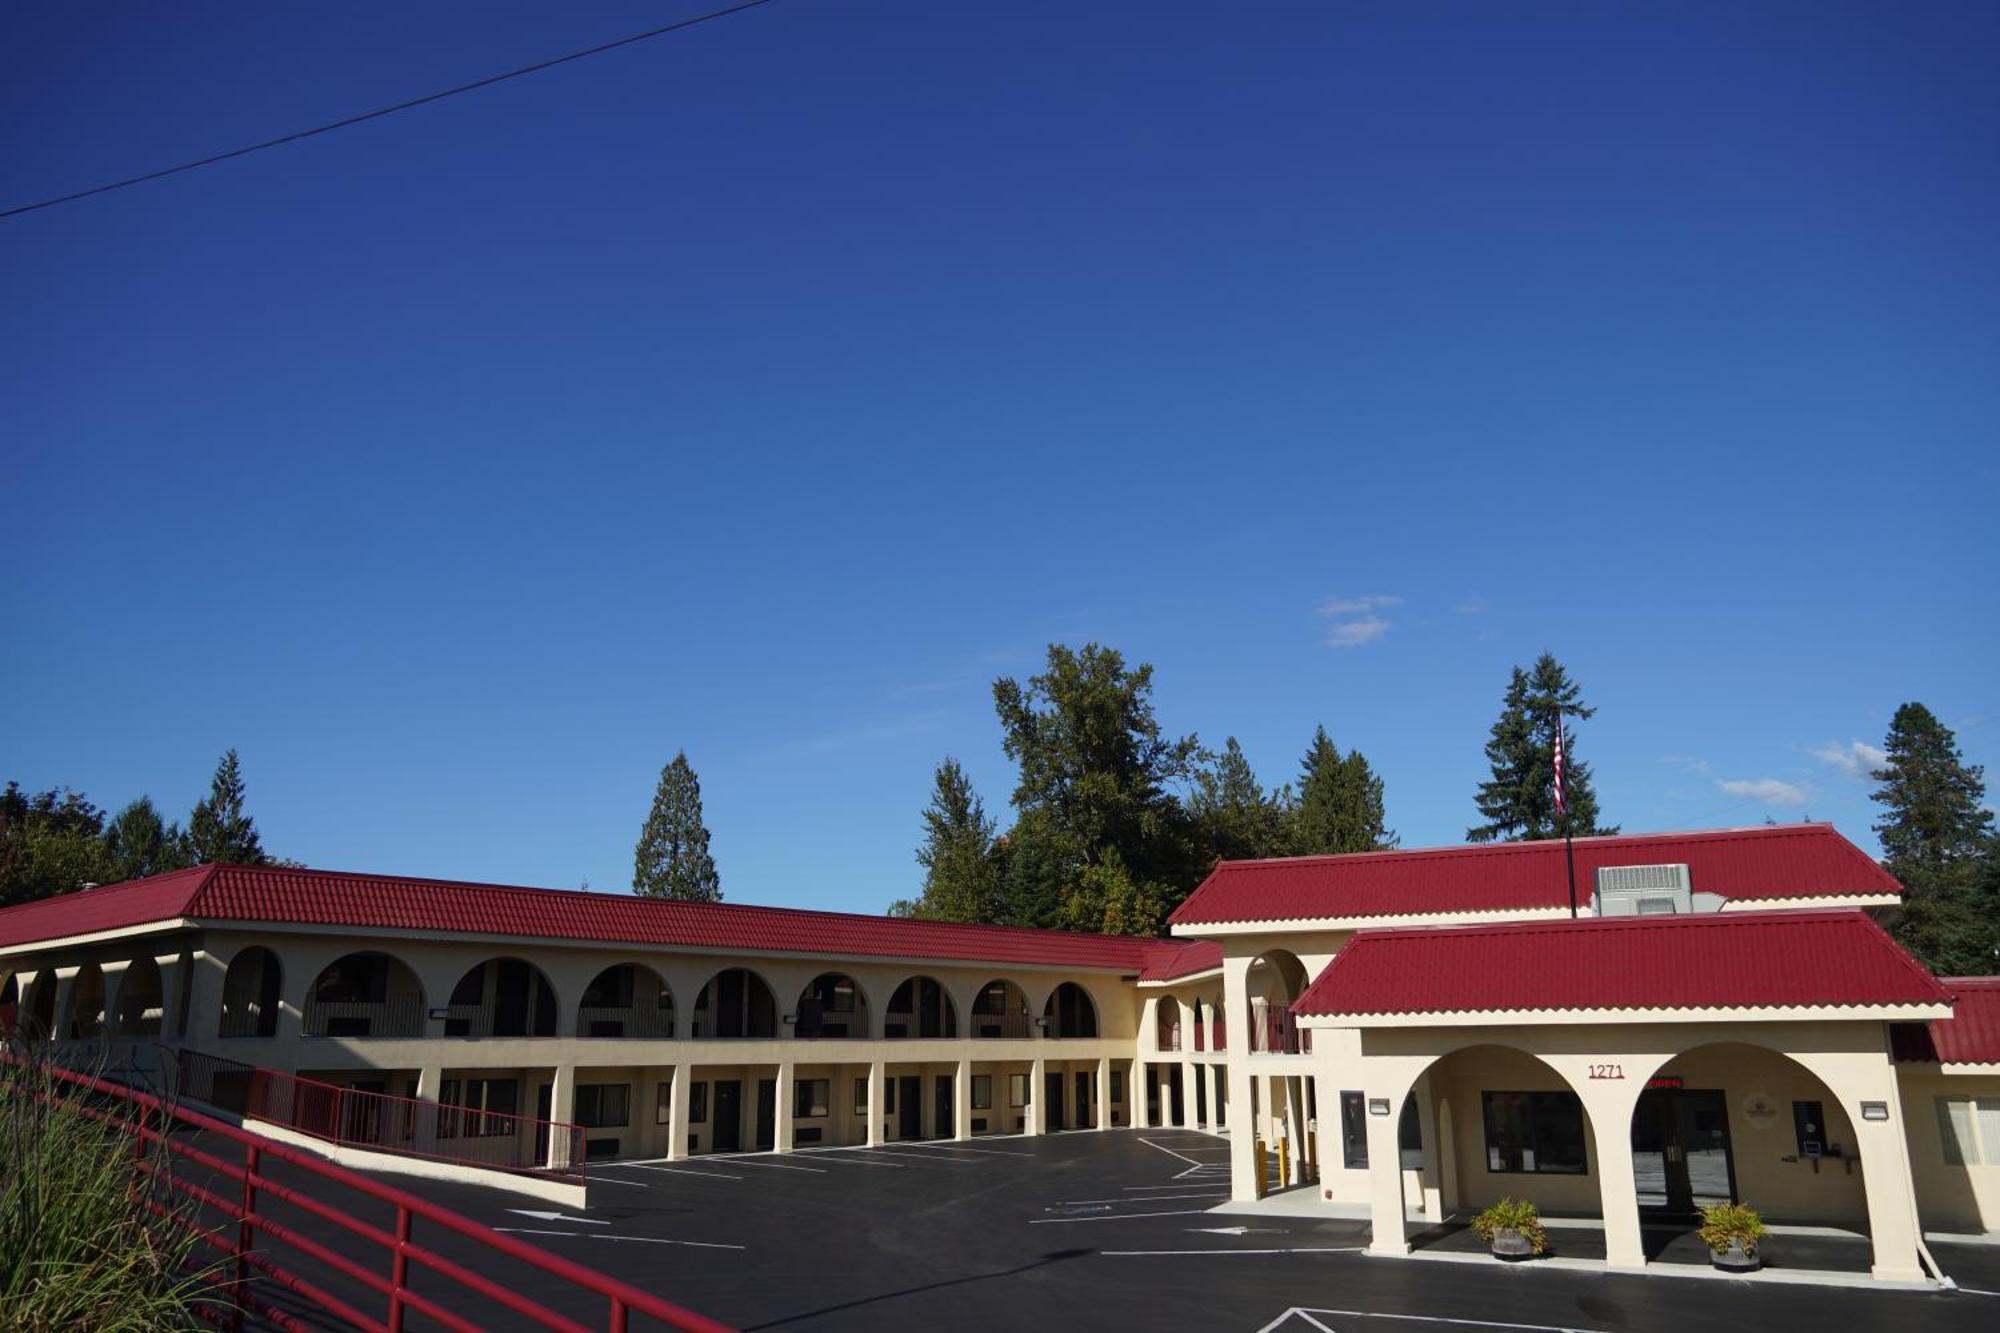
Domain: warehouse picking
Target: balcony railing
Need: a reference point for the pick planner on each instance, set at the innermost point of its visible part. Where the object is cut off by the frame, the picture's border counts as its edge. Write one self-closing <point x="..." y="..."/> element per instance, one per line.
<point x="395" y="1016"/>
<point x="1279" y="1033"/>
<point x="1169" y="1037"/>
<point x="605" y="1021"/>
<point x="1218" y="1037"/>
<point x="986" y="1026"/>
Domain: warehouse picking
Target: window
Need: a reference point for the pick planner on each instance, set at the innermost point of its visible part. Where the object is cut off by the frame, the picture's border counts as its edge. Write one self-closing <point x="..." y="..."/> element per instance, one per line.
<point x="811" y="1098"/>
<point x="1539" y="1132"/>
<point x="1969" y="1130"/>
<point x="361" y="978"/>
<point x="698" y="1104"/>
<point x="603" y="1105"/>
<point x="663" y="1104"/>
<point x="1017" y="1089"/>
<point x="1353" y="1131"/>
<point x="1118" y="1086"/>
<point x="861" y="1096"/>
<point x="982" y="1092"/>
<point x="477" y="1107"/>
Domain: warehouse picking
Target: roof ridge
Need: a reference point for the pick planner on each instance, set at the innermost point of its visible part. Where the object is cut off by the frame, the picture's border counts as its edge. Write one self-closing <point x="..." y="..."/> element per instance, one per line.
<point x="1674" y="921"/>
<point x="1516" y="846"/>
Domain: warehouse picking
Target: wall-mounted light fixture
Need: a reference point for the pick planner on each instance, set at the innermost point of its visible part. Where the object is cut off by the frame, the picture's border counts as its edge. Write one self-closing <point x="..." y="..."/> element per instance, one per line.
<point x="1378" y="1106"/>
<point x="791" y="1019"/>
<point x="1874" y="1110"/>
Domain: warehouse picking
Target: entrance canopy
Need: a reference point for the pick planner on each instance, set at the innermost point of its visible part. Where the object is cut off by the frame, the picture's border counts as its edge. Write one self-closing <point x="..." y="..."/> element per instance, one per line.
<point x="1836" y="964"/>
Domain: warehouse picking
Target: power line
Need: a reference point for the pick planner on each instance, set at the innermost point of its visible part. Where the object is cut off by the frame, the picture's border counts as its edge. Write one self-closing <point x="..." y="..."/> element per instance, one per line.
<point x="379" y="112"/>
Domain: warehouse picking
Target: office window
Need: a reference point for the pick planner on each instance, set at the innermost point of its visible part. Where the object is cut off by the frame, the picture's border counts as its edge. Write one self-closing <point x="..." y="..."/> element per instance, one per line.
<point x="663" y="1104"/>
<point x="603" y="1105"/>
<point x="478" y="1107"/>
<point x="811" y="1098"/>
<point x="1353" y="1131"/>
<point x="861" y="1096"/>
<point x="982" y="1092"/>
<point x="1539" y="1132"/>
<point x="1969" y="1130"/>
<point x="698" y="1104"/>
<point x="1017" y="1089"/>
<point x="1118" y="1086"/>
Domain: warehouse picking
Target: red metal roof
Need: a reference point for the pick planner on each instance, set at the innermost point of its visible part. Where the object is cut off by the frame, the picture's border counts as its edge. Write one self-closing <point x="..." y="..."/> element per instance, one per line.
<point x="331" y="898"/>
<point x="1767" y="862"/>
<point x="1707" y="960"/>
<point x="1971" y="1036"/>
<point x="1167" y="959"/>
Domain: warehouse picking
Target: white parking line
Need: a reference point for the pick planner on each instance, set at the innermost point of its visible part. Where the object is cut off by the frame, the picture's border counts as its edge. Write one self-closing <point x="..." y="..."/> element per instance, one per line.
<point x="644" y="1240"/>
<point x="775" y="1166"/>
<point x="959" y="1147"/>
<point x="1295" y="1249"/>
<point x="910" y="1156"/>
<point x="1116" y="1217"/>
<point x="1308" y="1313"/>
<point x="673" y="1170"/>
<point x="1205" y="1194"/>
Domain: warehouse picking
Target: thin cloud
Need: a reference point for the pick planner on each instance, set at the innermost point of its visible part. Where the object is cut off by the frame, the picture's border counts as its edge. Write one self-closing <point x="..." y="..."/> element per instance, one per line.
<point x="1770" y="791"/>
<point x="1473" y="606"/>
<point x="1687" y="763"/>
<point x="1355" y="620"/>
<point x="1857" y="759"/>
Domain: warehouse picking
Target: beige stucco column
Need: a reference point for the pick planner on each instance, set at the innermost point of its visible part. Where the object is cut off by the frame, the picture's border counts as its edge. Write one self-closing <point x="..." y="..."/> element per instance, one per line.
<point x="430" y="1083"/>
<point x="1436" y="1151"/>
<point x="1135" y="1095"/>
<point x="65" y="983"/>
<point x="781" y="1139"/>
<point x="677" y="1111"/>
<point x="877" y="1079"/>
<point x="115" y="971"/>
<point x="1610" y="1105"/>
<point x="1387" y="1079"/>
<point x="961" y="1101"/>
<point x="204" y="1011"/>
<point x="1243" y="1129"/>
<point x="562" y="1109"/>
<point x="174" y="968"/>
<point x="1104" y="1092"/>
<point x="1854" y="1078"/>
<point x="1038" y="1115"/>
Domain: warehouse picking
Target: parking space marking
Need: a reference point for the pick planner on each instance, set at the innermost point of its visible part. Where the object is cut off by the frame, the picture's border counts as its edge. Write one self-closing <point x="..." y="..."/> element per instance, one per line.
<point x="959" y="1147"/>
<point x="1292" y="1249"/>
<point x="1307" y="1313"/>
<point x="1154" y="1198"/>
<point x="673" y="1170"/>
<point x="775" y="1166"/>
<point x="1116" y="1217"/>
<point x="643" y="1240"/>
<point x="913" y="1157"/>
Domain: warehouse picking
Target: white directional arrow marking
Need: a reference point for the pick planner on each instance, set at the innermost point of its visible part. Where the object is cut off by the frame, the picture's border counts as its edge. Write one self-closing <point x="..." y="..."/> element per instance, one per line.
<point x="1241" y="1231"/>
<point x="558" y="1217"/>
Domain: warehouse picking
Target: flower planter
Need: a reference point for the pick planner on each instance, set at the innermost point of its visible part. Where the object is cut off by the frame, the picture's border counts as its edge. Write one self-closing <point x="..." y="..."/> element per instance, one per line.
<point x="1510" y="1246"/>
<point x="1735" y="1259"/>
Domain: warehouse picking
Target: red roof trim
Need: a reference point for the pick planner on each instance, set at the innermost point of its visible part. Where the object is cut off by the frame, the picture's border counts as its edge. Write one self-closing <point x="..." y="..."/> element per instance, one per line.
<point x="1742" y="960"/>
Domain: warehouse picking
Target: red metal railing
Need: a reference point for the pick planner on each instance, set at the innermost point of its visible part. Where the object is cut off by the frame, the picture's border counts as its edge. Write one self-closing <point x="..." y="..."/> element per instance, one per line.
<point x="225" y="1198"/>
<point x="382" y="1122"/>
<point x="1279" y="1033"/>
<point x="1169" y="1037"/>
<point x="1219" y="1037"/>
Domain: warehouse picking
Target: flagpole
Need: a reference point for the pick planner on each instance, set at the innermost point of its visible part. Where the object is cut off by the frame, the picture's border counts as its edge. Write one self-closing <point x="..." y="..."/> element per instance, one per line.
<point x="1562" y="806"/>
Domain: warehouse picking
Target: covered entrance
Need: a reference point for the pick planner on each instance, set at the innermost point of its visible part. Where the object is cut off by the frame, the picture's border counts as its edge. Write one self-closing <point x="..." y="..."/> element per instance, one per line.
<point x="1681" y="1160"/>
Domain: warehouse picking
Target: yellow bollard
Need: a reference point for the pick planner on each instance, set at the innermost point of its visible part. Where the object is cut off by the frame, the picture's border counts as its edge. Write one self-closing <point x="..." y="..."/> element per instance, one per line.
<point x="1284" y="1163"/>
<point x="1263" y="1171"/>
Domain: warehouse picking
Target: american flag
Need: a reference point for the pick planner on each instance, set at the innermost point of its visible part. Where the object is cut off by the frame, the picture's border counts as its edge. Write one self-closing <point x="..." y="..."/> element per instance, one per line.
<point x="1561" y="805"/>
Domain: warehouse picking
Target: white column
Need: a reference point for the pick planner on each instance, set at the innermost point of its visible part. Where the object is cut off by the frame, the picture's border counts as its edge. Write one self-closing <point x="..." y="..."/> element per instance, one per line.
<point x="173" y="975"/>
<point x="1385" y="1187"/>
<point x="115" y="973"/>
<point x="1434" y="1151"/>
<point x="65" y="983"/>
<point x="1243" y="1128"/>
<point x="562" y="1109"/>
<point x="877" y="1077"/>
<point x="677" y="1113"/>
<point x="961" y="1102"/>
<point x="204" y="1012"/>
<point x="787" y="1084"/>
<point x="430" y="1082"/>
<point x="1038" y="1114"/>
<point x="1104" y="1092"/>
<point x="1135" y="1095"/>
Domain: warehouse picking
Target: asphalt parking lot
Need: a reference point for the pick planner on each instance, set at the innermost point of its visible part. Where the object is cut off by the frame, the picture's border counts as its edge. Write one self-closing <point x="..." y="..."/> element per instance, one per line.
<point x="1099" y="1231"/>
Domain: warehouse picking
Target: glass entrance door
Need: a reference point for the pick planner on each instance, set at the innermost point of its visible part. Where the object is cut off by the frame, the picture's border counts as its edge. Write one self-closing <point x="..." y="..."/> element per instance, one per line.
<point x="1680" y="1151"/>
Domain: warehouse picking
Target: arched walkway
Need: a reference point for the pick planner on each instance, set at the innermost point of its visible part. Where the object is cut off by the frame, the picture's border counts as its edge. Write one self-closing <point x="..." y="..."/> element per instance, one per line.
<point x="1001" y="1010"/>
<point x="1276" y="979"/>
<point x="502" y="997"/>
<point x="920" y="1007"/>
<point x="1167" y="1029"/>
<point x="626" y="1000"/>
<point x="366" y="994"/>
<point x="1070" y="1012"/>
<point x="832" y="1005"/>
<point x="141" y="1000"/>
<point x="85" y="1018"/>
<point x="736" y="1002"/>
<point x="250" y="991"/>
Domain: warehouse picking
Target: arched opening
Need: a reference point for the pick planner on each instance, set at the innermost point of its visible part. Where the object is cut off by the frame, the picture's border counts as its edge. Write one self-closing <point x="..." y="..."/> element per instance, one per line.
<point x="920" y="1008"/>
<point x="10" y="1004"/>
<point x="832" y="1005"/>
<point x="1729" y="1122"/>
<point x="1482" y="1123"/>
<point x="85" y="1018"/>
<point x="502" y="997"/>
<point x="141" y="1002"/>
<point x="364" y="994"/>
<point x="250" y="991"/>
<point x="1167" y="1028"/>
<point x="38" y="1006"/>
<point x="1069" y="1012"/>
<point x="1276" y="979"/>
<point x="1001" y="1010"/>
<point x="736" y="1002"/>
<point x="626" y="1000"/>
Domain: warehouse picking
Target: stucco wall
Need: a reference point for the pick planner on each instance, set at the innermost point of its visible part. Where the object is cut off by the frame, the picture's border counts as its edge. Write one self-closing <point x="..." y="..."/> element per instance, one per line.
<point x="1950" y="1198"/>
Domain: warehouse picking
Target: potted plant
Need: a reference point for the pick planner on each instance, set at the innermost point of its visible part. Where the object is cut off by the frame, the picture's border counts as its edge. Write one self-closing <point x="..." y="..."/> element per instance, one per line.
<point x="1513" y="1227"/>
<point x="1731" y="1231"/>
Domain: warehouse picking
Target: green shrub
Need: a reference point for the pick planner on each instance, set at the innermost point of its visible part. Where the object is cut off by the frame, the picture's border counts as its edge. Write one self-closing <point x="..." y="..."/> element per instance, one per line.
<point x="1513" y="1215"/>
<point x="1724" y="1222"/>
<point x="79" y="1247"/>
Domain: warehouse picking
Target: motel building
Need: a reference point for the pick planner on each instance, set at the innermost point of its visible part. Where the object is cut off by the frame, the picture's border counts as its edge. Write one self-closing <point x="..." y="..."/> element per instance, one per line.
<point x="1397" y="1036"/>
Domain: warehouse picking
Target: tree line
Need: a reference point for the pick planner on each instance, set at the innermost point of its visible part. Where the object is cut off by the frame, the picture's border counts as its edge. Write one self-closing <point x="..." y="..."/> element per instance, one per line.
<point x="57" y="841"/>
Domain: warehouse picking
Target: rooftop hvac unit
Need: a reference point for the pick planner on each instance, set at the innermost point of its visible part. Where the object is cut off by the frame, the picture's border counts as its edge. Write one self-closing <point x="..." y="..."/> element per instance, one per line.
<point x="1663" y="890"/>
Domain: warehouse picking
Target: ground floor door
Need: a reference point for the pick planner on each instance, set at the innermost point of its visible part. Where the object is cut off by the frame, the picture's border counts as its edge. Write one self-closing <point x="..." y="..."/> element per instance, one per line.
<point x="545" y="1100"/>
<point x="944" y="1124"/>
<point x="1086" y="1100"/>
<point x="1176" y="1095"/>
<point x="909" y="1107"/>
<point x="728" y="1109"/>
<point x="1680" y="1151"/>
<point x="767" y="1113"/>
<point x="1052" y="1103"/>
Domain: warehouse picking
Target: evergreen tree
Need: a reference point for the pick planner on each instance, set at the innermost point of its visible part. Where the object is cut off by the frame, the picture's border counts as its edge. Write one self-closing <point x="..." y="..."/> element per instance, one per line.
<point x="962" y="873"/>
<point x="139" y="843"/>
<point x="1236" y="818"/>
<point x="672" y="859"/>
<point x="219" y="831"/>
<point x="1340" y="803"/>
<point x="51" y="842"/>
<point x="1937" y="839"/>
<point x="1519" y="801"/>
<point x="1096" y="775"/>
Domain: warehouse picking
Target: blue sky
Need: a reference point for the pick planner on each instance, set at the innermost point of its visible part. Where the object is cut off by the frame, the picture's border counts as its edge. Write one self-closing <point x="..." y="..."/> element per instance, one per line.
<point x="768" y="389"/>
